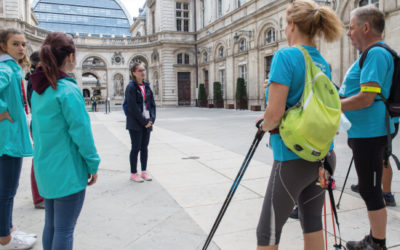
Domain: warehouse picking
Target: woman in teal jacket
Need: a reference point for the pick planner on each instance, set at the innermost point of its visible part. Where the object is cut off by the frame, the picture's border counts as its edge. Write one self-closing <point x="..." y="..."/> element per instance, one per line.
<point x="64" y="155"/>
<point x="14" y="134"/>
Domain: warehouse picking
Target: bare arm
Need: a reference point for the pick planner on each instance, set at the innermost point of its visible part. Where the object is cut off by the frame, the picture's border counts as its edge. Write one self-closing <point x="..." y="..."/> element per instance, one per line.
<point x="361" y="100"/>
<point x="277" y="95"/>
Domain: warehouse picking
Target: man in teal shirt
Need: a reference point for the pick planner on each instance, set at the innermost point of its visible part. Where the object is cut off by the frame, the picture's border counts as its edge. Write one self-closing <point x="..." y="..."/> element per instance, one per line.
<point x="367" y="136"/>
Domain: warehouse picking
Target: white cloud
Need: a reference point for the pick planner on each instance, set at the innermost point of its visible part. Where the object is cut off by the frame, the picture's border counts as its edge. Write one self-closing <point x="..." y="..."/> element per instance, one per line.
<point x="133" y="6"/>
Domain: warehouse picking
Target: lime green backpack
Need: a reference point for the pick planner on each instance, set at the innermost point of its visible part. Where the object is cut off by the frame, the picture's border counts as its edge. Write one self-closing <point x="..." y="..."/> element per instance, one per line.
<point x="309" y="127"/>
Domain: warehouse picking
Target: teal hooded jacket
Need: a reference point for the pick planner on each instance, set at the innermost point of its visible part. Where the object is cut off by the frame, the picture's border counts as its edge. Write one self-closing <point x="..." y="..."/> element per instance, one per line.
<point x="64" y="151"/>
<point x="14" y="137"/>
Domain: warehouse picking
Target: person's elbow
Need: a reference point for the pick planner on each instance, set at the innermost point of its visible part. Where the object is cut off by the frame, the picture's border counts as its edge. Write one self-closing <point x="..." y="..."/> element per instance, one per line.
<point x="367" y="99"/>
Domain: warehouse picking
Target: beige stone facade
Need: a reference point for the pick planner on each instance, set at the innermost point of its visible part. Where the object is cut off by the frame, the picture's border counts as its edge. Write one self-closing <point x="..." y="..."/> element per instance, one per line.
<point x="228" y="38"/>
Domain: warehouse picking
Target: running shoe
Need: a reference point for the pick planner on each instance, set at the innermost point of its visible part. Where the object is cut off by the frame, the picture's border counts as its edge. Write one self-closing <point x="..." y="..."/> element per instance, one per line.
<point x="22" y="234"/>
<point x="365" y="244"/>
<point x="145" y="176"/>
<point x="136" y="178"/>
<point x="19" y="243"/>
<point x="295" y="213"/>
<point x="389" y="198"/>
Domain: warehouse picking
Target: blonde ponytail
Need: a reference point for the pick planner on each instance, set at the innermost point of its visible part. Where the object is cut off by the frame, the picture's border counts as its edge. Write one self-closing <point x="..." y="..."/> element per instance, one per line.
<point x="314" y="20"/>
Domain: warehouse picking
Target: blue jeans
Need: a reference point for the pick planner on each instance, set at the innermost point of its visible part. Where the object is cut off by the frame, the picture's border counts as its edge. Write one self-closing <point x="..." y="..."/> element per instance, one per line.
<point x="60" y="220"/>
<point x="10" y="170"/>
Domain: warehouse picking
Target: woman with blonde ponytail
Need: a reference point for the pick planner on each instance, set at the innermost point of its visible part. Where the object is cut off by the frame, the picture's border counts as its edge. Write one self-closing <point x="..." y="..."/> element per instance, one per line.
<point x="65" y="157"/>
<point x="293" y="180"/>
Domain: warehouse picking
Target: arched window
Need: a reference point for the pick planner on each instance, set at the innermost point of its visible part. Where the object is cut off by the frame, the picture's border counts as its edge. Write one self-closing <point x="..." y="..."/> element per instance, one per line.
<point x="182" y="58"/>
<point x="186" y="59"/>
<point x="270" y="36"/>
<point x="242" y="45"/>
<point x="179" y="58"/>
<point x="221" y="52"/>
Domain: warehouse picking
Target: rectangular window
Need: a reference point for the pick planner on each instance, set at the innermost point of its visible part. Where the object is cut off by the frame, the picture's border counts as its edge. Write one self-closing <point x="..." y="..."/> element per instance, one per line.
<point x="182" y="17"/>
<point x="243" y="72"/>
<point x="239" y="3"/>
<point x="222" y="80"/>
<point x="179" y="25"/>
<point x="186" y="59"/>
<point x="268" y="60"/>
<point x="186" y="25"/>
<point x="219" y="9"/>
<point x="153" y="22"/>
<point x="366" y="2"/>
<point x="179" y="59"/>
<point x="203" y="11"/>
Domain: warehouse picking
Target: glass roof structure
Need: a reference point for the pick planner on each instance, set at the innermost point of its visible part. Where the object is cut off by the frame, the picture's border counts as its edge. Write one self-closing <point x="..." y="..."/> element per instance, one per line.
<point x="98" y="18"/>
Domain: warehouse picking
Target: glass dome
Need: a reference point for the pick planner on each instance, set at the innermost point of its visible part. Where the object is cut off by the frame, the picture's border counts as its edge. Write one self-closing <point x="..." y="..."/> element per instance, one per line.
<point x="100" y="17"/>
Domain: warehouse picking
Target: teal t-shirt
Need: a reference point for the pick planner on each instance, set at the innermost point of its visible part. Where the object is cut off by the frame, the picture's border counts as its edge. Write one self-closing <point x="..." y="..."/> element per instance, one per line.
<point x="378" y="67"/>
<point x="288" y="68"/>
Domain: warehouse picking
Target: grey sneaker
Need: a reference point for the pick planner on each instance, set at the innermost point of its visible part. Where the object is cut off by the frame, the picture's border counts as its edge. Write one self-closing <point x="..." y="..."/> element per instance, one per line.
<point x="365" y="244"/>
<point x="389" y="199"/>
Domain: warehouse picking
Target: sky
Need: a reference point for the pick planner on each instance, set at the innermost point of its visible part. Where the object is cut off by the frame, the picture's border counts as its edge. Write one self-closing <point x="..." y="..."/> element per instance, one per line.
<point x="131" y="5"/>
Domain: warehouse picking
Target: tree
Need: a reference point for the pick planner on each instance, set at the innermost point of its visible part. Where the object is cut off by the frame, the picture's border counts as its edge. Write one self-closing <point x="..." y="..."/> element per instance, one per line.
<point x="202" y="96"/>
<point x="241" y="94"/>
<point x="218" y="100"/>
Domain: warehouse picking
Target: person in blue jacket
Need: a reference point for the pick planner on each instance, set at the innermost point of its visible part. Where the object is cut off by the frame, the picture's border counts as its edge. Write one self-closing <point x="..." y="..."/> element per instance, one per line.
<point x="14" y="135"/>
<point x="65" y="157"/>
<point x="140" y="110"/>
<point x="293" y="180"/>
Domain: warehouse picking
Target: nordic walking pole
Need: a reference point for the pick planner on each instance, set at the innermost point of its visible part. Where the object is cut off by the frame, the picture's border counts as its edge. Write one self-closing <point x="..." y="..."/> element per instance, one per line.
<point x="345" y="181"/>
<point x="235" y="185"/>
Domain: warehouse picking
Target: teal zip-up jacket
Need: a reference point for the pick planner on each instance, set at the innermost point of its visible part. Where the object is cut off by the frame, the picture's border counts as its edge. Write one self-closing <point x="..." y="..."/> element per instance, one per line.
<point x="14" y="137"/>
<point x="64" y="152"/>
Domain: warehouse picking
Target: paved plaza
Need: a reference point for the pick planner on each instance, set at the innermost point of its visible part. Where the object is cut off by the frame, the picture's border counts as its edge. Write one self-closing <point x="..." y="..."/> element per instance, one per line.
<point x="194" y="155"/>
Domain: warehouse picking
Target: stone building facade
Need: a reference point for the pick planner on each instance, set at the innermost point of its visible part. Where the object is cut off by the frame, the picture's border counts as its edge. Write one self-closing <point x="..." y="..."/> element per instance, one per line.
<point x="187" y="42"/>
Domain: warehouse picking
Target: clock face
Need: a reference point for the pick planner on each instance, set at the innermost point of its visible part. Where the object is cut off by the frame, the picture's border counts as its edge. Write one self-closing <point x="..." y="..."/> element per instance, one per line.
<point x="117" y="59"/>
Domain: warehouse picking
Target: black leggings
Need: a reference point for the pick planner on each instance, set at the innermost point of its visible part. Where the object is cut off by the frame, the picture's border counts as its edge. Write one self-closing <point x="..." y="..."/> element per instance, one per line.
<point x="140" y="142"/>
<point x="368" y="156"/>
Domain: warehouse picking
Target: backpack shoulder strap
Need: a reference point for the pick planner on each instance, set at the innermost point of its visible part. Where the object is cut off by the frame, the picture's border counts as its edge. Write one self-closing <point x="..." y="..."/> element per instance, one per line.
<point x="382" y="45"/>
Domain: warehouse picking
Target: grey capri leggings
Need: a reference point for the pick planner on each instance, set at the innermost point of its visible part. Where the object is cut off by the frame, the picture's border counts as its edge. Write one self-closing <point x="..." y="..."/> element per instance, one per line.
<point x="292" y="182"/>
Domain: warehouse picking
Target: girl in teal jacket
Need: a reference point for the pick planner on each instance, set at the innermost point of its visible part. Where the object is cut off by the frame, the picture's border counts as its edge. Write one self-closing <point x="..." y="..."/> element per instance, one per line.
<point x="64" y="154"/>
<point x="14" y="135"/>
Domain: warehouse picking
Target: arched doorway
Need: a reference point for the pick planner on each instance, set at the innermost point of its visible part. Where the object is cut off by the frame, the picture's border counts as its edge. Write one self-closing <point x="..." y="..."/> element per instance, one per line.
<point x="86" y="93"/>
<point x="94" y="76"/>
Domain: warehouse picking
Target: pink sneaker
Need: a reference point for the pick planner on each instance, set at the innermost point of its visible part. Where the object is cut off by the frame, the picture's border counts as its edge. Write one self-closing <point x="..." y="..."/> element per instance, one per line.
<point x="136" y="178"/>
<point x="146" y="176"/>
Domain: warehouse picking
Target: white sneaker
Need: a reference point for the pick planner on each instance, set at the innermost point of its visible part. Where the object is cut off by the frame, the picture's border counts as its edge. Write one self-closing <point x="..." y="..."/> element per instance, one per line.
<point x="19" y="243"/>
<point x="22" y="234"/>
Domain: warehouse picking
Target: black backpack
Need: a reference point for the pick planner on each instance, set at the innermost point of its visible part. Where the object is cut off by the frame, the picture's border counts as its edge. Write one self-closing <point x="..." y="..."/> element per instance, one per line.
<point x="393" y="102"/>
